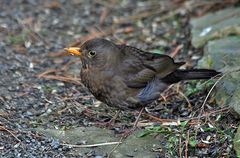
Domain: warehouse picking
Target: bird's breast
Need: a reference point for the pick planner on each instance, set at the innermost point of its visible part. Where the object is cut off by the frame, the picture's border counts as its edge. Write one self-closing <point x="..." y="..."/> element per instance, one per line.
<point x="98" y="83"/>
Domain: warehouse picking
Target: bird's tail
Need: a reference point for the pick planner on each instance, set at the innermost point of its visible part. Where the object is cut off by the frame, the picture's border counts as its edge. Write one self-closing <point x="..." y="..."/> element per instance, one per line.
<point x="193" y="74"/>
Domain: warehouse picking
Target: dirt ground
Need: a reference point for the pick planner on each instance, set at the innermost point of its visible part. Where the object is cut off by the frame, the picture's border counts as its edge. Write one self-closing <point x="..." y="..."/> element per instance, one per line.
<point x="40" y="85"/>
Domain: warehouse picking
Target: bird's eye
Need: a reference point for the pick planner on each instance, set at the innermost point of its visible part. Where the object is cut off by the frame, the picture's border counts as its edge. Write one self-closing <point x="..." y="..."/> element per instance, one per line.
<point x="91" y="54"/>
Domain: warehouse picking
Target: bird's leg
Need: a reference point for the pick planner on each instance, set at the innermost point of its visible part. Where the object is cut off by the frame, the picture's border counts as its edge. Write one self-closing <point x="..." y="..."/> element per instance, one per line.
<point x="138" y="117"/>
<point x="110" y="123"/>
<point x="129" y="132"/>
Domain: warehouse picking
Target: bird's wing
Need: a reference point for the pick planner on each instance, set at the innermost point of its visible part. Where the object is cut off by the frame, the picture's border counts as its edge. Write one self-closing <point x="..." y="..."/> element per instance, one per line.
<point x="142" y="66"/>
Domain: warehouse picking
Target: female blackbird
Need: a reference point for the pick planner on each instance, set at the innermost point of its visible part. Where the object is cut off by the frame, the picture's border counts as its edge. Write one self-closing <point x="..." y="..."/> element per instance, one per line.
<point x="126" y="77"/>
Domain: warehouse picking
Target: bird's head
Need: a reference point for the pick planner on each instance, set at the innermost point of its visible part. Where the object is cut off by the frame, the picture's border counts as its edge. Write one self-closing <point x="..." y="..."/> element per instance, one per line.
<point x="96" y="53"/>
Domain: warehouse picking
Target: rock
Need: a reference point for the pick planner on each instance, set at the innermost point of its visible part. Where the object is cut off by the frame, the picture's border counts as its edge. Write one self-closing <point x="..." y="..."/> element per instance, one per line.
<point x="224" y="55"/>
<point x="236" y="142"/>
<point x="133" y="146"/>
<point x="221" y="53"/>
<point x="214" y="26"/>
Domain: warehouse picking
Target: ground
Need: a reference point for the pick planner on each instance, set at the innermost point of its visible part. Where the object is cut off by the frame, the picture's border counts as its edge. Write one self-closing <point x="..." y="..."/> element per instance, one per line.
<point x="40" y="86"/>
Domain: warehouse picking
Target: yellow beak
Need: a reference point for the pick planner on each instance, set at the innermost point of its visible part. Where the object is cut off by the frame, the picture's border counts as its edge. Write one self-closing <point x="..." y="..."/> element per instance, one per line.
<point x="73" y="50"/>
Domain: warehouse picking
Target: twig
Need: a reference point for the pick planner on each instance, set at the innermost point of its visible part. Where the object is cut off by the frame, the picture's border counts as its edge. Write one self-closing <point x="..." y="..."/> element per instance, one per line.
<point x="206" y="81"/>
<point x="159" y="119"/>
<point x="94" y="34"/>
<point x="103" y="15"/>
<point x="104" y="33"/>
<point x="163" y="98"/>
<point x="7" y="130"/>
<point x="166" y="97"/>
<point x="186" y="98"/>
<point x="109" y="154"/>
<point x="205" y="115"/>
<point x="33" y="33"/>
<point x="105" y="3"/>
<point x="112" y="29"/>
<point x="219" y="79"/>
<point x="58" y="54"/>
<point x="48" y="72"/>
<point x="144" y="123"/>
<point x="138" y="16"/>
<point x="4" y="114"/>
<point x="64" y="68"/>
<point x="147" y="14"/>
<point x="90" y="145"/>
<point x="186" y="119"/>
<point x="179" y="146"/>
<point x="186" y="143"/>
<point x="176" y="51"/>
<point x="183" y="95"/>
<point x="97" y="33"/>
<point x="138" y="117"/>
<point x="62" y="78"/>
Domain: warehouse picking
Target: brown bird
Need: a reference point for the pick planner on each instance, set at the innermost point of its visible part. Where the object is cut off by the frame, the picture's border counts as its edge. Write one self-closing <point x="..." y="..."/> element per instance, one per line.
<point x="126" y="77"/>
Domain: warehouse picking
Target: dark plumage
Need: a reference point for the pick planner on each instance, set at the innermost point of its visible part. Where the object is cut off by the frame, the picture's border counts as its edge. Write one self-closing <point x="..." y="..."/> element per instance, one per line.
<point x="128" y="78"/>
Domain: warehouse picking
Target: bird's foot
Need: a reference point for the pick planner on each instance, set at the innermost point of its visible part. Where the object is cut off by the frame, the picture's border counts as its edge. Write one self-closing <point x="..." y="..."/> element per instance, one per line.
<point x="108" y="125"/>
<point x="128" y="132"/>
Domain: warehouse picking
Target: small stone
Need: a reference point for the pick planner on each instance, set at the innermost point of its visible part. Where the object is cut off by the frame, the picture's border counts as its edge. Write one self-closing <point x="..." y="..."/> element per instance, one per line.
<point x="54" y="91"/>
<point x="49" y="111"/>
<point x="31" y="65"/>
<point x="27" y="44"/>
<point x="8" y="97"/>
<point x="29" y="113"/>
<point x="55" y="144"/>
<point x="17" y="145"/>
<point x="60" y="84"/>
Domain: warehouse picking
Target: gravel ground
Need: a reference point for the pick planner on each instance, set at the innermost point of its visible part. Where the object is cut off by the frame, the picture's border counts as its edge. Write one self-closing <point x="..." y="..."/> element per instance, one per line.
<point x="32" y="36"/>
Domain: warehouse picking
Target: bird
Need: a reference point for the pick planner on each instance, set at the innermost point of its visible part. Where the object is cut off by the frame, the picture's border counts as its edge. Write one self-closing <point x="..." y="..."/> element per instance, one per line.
<point x="126" y="77"/>
<point x="129" y="78"/>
